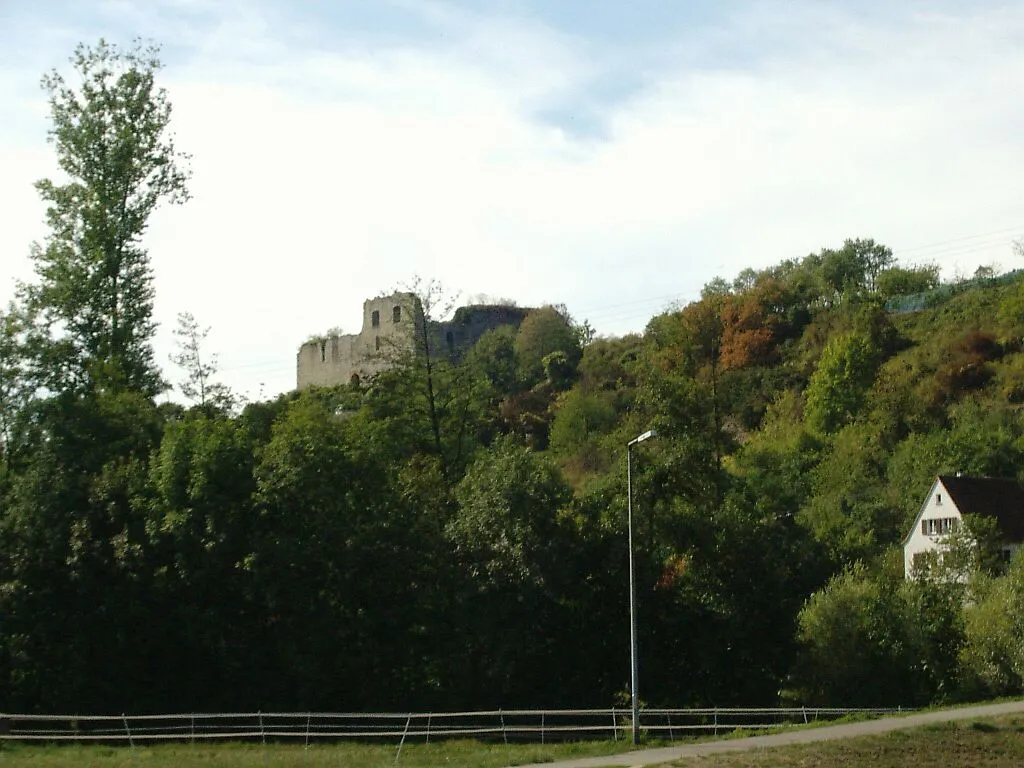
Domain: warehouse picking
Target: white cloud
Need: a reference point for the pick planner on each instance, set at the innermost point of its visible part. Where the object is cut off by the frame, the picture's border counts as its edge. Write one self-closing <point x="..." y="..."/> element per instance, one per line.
<point x="325" y="174"/>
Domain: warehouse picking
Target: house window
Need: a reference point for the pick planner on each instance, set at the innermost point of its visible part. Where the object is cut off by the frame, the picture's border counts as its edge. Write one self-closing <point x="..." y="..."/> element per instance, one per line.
<point x="375" y="319"/>
<point x="939" y="526"/>
<point x="396" y="315"/>
<point x="938" y="499"/>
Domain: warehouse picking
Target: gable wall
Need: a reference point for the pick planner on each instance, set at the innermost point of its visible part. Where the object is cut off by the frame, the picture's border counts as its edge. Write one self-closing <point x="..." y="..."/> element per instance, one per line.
<point x="937" y="507"/>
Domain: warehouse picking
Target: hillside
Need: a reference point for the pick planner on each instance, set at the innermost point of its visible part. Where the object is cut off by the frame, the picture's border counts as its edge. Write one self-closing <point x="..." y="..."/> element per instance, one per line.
<point x="453" y="535"/>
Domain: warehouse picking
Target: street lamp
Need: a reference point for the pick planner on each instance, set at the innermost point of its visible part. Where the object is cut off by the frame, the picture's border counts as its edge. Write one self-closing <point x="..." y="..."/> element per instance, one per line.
<point x="634" y="660"/>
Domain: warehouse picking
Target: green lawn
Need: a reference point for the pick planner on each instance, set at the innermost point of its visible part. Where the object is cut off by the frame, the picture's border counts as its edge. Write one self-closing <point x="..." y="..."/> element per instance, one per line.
<point x="451" y="754"/>
<point x="988" y="743"/>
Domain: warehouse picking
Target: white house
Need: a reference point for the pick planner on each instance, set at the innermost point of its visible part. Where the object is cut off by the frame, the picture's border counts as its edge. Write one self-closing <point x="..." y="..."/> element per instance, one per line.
<point x="952" y="497"/>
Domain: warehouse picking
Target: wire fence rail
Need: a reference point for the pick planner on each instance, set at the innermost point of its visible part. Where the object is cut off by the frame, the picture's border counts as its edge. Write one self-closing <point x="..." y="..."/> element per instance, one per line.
<point x="518" y="725"/>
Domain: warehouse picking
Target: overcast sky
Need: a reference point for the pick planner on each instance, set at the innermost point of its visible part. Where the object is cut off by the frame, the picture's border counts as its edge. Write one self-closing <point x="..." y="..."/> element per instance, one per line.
<point x="613" y="156"/>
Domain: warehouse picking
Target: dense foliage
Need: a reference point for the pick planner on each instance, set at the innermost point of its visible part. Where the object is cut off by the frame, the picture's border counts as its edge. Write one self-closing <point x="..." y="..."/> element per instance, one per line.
<point x="453" y="533"/>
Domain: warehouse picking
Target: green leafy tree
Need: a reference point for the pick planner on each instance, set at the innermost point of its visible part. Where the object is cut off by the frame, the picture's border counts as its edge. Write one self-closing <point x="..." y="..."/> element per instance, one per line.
<point x="745" y="280"/>
<point x="544" y="331"/>
<point x="494" y="357"/>
<point x="721" y="602"/>
<point x="837" y="389"/>
<point x="903" y="281"/>
<point x="851" y="510"/>
<point x="340" y="568"/>
<point x="854" y="267"/>
<point x="431" y="401"/>
<point x="74" y="565"/>
<point x="200" y="528"/>
<point x="993" y="652"/>
<point x="94" y="295"/>
<point x="581" y="420"/>
<point x="506" y="523"/>
<point x="507" y="538"/>
<point x="681" y="394"/>
<point x="15" y="390"/>
<point x="75" y="553"/>
<point x="853" y="639"/>
<point x="718" y="286"/>
<point x="199" y="367"/>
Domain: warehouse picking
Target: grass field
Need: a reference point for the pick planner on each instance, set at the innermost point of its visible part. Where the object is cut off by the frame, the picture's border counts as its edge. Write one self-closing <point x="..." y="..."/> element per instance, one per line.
<point x="989" y="743"/>
<point x="452" y="754"/>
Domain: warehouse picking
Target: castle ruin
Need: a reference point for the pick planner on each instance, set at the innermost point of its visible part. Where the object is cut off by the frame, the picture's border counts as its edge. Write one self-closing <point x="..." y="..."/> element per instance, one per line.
<point x="390" y="325"/>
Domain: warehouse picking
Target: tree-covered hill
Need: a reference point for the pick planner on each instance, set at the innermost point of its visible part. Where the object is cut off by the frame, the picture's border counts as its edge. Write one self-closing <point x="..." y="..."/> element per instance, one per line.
<point x="453" y="534"/>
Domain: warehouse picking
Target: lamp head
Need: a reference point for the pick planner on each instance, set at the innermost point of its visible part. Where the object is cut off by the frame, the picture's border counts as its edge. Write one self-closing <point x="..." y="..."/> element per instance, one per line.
<point x="644" y="436"/>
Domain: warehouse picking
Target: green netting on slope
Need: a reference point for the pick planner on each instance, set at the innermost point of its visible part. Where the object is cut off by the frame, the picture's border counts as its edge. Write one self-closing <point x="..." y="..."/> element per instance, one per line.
<point x="917" y="301"/>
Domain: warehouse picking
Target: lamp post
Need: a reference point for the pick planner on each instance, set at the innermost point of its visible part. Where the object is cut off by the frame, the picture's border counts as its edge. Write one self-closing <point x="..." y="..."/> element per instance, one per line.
<point x="634" y="694"/>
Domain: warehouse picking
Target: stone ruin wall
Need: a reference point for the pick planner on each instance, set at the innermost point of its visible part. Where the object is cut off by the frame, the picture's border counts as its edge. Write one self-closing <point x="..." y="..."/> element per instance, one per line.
<point x="388" y="328"/>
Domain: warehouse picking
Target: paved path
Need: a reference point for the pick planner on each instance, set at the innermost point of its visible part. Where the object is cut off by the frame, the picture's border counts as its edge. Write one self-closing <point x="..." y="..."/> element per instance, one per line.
<point x="645" y="757"/>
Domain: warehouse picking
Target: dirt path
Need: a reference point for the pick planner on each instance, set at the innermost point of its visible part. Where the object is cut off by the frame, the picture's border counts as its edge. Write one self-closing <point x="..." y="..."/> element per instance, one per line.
<point x="645" y="757"/>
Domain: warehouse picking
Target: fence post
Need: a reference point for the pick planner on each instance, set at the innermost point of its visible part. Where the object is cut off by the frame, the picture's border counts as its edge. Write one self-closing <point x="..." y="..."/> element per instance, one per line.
<point x="615" y="726"/>
<point x="804" y="708"/>
<point x="398" y="754"/>
<point x="541" y="727"/>
<point x="192" y="731"/>
<point x="263" y="734"/>
<point x="128" y="730"/>
<point x="716" y="721"/>
<point x="503" y="734"/>
<point x="429" y="715"/>
<point x="309" y="717"/>
<point x="671" y="735"/>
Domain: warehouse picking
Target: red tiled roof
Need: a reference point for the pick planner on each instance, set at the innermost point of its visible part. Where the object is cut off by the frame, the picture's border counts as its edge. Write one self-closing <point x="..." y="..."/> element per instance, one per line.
<point x="996" y="497"/>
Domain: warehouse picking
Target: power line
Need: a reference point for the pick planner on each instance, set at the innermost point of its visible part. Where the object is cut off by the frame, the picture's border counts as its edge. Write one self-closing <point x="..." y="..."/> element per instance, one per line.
<point x="943" y="245"/>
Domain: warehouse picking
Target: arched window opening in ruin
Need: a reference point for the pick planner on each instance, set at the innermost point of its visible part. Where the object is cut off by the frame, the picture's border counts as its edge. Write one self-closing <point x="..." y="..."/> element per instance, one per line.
<point x="376" y="342"/>
<point x="375" y="319"/>
<point x="323" y="351"/>
<point x="396" y="315"/>
<point x="450" y="339"/>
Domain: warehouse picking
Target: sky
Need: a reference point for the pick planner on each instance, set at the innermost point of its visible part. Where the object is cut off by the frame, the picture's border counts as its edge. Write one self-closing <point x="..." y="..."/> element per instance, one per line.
<point x="612" y="156"/>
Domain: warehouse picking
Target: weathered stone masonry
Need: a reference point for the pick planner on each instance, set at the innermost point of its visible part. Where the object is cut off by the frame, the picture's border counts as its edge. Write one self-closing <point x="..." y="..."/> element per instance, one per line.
<point x="388" y="329"/>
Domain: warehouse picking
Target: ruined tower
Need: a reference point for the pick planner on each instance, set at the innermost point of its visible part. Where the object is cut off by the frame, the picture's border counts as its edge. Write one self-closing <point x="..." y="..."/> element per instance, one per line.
<point x="390" y="324"/>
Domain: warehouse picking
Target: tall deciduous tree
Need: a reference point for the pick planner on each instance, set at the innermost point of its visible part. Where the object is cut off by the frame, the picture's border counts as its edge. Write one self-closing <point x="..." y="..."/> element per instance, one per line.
<point x="434" y="399"/>
<point x="14" y="391"/>
<point x="507" y="539"/>
<point x="433" y="302"/>
<point x="199" y="365"/>
<point x="95" y="293"/>
<point x="73" y="546"/>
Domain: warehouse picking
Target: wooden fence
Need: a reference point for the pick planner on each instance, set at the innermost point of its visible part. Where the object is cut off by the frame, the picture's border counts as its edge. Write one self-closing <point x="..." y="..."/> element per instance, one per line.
<point x="520" y="725"/>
